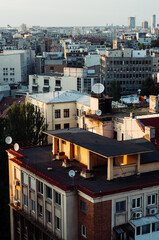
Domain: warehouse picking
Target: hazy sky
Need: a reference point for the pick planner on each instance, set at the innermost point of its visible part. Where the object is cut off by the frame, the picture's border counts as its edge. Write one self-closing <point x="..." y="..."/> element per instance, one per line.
<point x="76" y="13"/>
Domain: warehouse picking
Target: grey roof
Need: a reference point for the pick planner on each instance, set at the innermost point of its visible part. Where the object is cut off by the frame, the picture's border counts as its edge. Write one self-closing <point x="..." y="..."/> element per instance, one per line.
<point x="145" y="220"/>
<point x="99" y="144"/>
<point x="62" y="97"/>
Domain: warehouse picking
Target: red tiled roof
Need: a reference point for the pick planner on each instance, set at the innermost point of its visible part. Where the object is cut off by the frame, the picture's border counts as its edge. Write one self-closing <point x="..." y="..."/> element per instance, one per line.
<point x="7" y="102"/>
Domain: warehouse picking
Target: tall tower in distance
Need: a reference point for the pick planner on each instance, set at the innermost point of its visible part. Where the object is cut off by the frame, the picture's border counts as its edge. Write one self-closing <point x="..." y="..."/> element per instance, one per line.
<point x="131" y="22"/>
<point x="145" y="24"/>
<point x="153" y="21"/>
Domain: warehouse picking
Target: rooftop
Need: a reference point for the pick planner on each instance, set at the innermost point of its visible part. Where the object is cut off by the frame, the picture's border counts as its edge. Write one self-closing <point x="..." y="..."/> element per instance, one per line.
<point x="38" y="159"/>
<point x="99" y="144"/>
<point x="62" y="96"/>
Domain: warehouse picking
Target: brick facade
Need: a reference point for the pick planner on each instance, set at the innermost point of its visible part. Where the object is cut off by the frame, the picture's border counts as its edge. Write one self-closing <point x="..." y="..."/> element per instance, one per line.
<point x="56" y="68"/>
<point x="97" y="219"/>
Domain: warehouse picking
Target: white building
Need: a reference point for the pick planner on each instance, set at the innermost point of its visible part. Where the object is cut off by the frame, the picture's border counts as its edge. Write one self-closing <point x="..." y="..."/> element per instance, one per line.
<point x="16" y="65"/>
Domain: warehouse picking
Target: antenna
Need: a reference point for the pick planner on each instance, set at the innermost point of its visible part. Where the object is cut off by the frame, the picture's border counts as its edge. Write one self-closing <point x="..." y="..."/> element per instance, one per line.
<point x="8" y="140"/>
<point x="16" y="147"/>
<point x="72" y="174"/>
<point x="98" y="88"/>
<point x="98" y="112"/>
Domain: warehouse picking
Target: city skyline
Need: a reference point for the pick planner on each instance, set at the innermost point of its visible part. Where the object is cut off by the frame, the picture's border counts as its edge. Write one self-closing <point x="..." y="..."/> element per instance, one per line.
<point x="87" y="13"/>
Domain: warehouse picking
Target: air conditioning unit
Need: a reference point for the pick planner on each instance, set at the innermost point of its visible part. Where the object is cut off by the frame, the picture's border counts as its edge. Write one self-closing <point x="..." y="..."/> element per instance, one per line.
<point x="152" y="211"/>
<point x="137" y="214"/>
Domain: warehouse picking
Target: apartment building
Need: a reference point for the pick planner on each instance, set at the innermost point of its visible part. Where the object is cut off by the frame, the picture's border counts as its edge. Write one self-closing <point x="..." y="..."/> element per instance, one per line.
<point x="79" y="79"/>
<point x="128" y="67"/>
<point x="62" y="108"/>
<point x="75" y="54"/>
<point x="112" y="194"/>
<point x="16" y="65"/>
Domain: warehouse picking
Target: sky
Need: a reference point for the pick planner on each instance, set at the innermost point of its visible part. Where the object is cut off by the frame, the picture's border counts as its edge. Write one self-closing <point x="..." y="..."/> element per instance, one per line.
<point x="76" y="13"/>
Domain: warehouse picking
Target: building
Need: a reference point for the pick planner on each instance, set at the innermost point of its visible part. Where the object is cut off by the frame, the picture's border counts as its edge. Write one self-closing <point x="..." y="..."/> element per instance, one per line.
<point x="153" y="21"/>
<point x="128" y="67"/>
<point x="79" y="79"/>
<point x="113" y="192"/>
<point x="16" y="65"/>
<point x="131" y="22"/>
<point x="61" y="108"/>
<point x="145" y="24"/>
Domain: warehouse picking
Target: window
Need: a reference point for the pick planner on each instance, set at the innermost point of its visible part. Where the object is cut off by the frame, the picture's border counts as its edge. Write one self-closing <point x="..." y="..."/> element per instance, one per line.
<point x="51" y="68"/>
<point x="83" y="231"/>
<point x="138" y="231"/>
<point x="32" y="205"/>
<point x="155" y="227"/>
<point x="120" y="206"/>
<point x="57" y="113"/>
<point x="66" y="125"/>
<point x="58" y="83"/>
<point x="57" y="126"/>
<point x="48" y="217"/>
<point x="146" y="229"/>
<point x="77" y="112"/>
<point x="151" y="199"/>
<point x="46" y="81"/>
<point x="24" y="199"/>
<point x="40" y="210"/>
<point x="83" y="206"/>
<point x="57" y="198"/>
<point x="136" y="202"/>
<point x="57" y="223"/>
<point x="32" y="182"/>
<point x="66" y="113"/>
<point x="40" y="187"/>
<point x="48" y="192"/>
<point x="25" y="178"/>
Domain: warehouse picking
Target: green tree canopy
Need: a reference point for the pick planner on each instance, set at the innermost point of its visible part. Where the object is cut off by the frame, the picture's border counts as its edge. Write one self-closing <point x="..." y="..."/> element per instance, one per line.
<point x="115" y="90"/>
<point x="149" y="88"/>
<point x="25" y="124"/>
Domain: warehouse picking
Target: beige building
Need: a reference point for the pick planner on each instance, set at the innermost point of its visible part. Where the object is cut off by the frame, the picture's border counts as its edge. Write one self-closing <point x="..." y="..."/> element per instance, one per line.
<point x="61" y="109"/>
<point x="113" y="194"/>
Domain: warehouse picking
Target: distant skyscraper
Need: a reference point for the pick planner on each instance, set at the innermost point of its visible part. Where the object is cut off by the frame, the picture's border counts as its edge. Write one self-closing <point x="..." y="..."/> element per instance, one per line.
<point x="145" y="24"/>
<point x="131" y="22"/>
<point x="153" y="21"/>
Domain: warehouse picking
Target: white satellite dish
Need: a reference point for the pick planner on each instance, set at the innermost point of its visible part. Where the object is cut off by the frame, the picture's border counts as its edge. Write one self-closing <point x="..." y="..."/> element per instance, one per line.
<point x="16" y="147"/>
<point x="71" y="173"/>
<point x="98" y="88"/>
<point x="98" y="112"/>
<point x="8" y="140"/>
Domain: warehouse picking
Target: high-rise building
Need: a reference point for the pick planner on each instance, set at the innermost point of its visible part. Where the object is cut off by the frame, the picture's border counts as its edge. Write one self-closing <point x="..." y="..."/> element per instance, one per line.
<point x="153" y="21"/>
<point x="131" y="22"/>
<point x="144" y="24"/>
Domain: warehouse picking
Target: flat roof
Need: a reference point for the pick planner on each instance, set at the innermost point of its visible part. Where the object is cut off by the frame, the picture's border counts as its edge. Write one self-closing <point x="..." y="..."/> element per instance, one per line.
<point x="37" y="160"/>
<point x="101" y="145"/>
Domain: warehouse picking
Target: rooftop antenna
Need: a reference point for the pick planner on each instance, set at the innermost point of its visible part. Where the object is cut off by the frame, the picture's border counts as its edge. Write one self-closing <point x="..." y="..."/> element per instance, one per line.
<point x="72" y="174"/>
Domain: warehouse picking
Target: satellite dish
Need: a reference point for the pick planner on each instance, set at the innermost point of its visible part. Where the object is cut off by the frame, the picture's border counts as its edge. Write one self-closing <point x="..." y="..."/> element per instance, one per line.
<point x="8" y="140"/>
<point x="16" y="147"/>
<point x="98" y="88"/>
<point x="98" y="112"/>
<point x="71" y="173"/>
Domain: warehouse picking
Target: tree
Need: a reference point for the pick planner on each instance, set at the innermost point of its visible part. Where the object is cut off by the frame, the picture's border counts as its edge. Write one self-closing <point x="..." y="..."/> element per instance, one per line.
<point x="149" y="87"/>
<point x="115" y="90"/>
<point x="25" y="124"/>
<point x="155" y="43"/>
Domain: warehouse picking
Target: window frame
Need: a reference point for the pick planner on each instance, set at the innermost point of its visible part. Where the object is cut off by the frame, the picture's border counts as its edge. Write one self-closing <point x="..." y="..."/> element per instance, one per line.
<point x="57" y="113"/>
<point x="83" y="231"/>
<point x="66" y="113"/>
<point x="119" y="207"/>
<point x="58" y="198"/>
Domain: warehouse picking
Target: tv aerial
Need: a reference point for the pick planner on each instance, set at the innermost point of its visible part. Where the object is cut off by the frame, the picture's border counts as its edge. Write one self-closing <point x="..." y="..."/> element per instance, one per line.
<point x="16" y="147"/>
<point x="71" y="173"/>
<point x="98" y="112"/>
<point x="98" y="88"/>
<point x="8" y="140"/>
